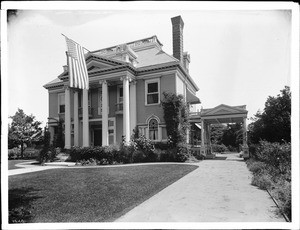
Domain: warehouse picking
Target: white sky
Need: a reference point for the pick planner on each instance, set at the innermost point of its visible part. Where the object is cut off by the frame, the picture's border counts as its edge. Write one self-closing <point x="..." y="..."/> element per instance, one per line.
<point x="237" y="57"/>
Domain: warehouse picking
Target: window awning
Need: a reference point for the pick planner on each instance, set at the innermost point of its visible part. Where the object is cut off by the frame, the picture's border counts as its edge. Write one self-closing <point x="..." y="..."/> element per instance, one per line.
<point x="191" y="98"/>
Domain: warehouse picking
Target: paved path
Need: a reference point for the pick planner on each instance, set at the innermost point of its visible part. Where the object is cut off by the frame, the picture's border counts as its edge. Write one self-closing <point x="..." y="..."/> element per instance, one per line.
<point x="28" y="167"/>
<point x="218" y="191"/>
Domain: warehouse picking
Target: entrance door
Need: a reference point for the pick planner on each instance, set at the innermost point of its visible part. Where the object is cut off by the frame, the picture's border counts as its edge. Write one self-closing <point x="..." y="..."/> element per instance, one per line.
<point x="97" y="137"/>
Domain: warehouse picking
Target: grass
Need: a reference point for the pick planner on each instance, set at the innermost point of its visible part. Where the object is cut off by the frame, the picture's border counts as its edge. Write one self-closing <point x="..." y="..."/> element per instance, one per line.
<point x="87" y="194"/>
<point x="12" y="163"/>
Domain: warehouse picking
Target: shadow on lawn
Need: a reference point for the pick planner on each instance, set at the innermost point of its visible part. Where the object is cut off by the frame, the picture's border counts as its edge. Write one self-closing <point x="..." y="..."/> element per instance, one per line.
<point x="19" y="204"/>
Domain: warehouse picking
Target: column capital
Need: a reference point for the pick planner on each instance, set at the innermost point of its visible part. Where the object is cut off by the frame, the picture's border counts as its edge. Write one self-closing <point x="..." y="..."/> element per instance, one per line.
<point x="133" y="82"/>
<point x="102" y="82"/>
<point x="126" y="77"/>
<point x="66" y="87"/>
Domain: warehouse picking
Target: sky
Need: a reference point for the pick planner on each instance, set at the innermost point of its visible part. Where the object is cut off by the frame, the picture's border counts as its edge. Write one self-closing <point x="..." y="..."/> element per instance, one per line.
<point x="238" y="57"/>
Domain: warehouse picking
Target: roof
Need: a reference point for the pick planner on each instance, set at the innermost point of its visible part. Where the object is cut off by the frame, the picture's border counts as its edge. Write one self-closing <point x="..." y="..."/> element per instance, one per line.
<point x="191" y="98"/>
<point x="147" y="53"/>
<point x="153" y="56"/>
<point x="53" y="83"/>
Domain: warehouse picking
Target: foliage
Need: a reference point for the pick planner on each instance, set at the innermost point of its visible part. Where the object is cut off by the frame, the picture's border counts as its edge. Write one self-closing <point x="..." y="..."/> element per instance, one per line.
<point x="24" y="129"/>
<point x="230" y="136"/>
<point x="143" y="149"/>
<point x="275" y="155"/>
<point x="274" y="123"/>
<point x="48" y="152"/>
<point x="233" y="135"/>
<point x="14" y="153"/>
<point x="58" y="139"/>
<point x="270" y="164"/>
<point x="219" y="148"/>
<point x="217" y="132"/>
<point x="99" y="155"/>
<point x="176" y="117"/>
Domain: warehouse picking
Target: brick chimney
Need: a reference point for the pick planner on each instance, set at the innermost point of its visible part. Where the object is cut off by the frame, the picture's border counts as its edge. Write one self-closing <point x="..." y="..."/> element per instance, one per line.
<point x="177" y="28"/>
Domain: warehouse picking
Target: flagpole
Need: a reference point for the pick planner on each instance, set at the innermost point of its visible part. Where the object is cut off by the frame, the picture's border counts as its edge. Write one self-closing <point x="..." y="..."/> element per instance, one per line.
<point x="76" y="43"/>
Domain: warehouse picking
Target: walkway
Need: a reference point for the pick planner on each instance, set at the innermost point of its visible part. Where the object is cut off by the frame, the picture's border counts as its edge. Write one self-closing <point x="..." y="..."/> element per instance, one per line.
<point x="218" y="191"/>
<point x="28" y="167"/>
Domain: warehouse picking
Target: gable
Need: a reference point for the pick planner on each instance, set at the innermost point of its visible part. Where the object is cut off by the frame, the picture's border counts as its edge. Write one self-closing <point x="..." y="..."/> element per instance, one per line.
<point x="224" y="110"/>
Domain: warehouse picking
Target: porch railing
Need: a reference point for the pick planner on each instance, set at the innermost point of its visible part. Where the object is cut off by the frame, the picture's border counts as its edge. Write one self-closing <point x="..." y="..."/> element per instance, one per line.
<point x="119" y="108"/>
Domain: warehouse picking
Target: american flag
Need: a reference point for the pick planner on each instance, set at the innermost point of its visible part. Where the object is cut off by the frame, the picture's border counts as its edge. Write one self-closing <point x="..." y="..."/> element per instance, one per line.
<point x="78" y="75"/>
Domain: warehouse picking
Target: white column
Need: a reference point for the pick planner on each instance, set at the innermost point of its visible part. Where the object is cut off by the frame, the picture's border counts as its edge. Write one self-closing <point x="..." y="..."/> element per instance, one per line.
<point x="85" y="118"/>
<point x="104" y="113"/>
<point x="132" y="106"/>
<point x="67" y="118"/>
<point x="202" y="133"/>
<point x="245" y="132"/>
<point x="126" y="121"/>
<point x="76" y="120"/>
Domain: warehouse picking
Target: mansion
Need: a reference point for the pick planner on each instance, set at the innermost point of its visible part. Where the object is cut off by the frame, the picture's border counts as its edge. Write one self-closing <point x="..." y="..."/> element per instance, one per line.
<point x="126" y="86"/>
<point x="126" y="83"/>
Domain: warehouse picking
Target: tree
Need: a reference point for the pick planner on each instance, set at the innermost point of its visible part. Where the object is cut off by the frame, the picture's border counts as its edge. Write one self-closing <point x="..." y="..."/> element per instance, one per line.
<point x="23" y="129"/>
<point x="216" y="134"/>
<point x="274" y="123"/>
<point x="176" y="117"/>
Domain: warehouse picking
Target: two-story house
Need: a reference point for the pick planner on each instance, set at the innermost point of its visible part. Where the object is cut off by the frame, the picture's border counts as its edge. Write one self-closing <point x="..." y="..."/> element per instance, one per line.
<point x="126" y="85"/>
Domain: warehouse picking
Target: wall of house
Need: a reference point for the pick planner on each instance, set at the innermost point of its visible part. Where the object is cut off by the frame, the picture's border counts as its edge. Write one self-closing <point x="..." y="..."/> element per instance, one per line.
<point x="180" y="86"/>
<point x="53" y="103"/>
<point x="167" y="84"/>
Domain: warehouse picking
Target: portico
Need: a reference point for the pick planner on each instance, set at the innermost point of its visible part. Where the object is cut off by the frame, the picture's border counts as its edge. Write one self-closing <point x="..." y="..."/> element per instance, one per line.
<point x="218" y="115"/>
<point x="127" y="112"/>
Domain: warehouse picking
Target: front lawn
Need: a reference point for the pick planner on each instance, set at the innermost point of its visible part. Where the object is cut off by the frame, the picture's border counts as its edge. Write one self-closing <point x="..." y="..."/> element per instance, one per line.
<point x="87" y="194"/>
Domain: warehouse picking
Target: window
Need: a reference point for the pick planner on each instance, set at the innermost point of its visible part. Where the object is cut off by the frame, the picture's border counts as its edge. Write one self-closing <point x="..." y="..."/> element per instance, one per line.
<point x="61" y="103"/>
<point x="152" y="92"/>
<point x="120" y="94"/>
<point x="153" y="129"/>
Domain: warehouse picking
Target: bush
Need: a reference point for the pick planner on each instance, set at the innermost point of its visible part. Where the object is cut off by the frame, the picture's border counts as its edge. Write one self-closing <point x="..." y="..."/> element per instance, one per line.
<point x="14" y="153"/>
<point x="271" y="167"/>
<point x="219" y="148"/>
<point x="47" y="155"/>
<point x="232" y="148"/>
<point x="274" y="153"/>
<point x="256" y="167"/>
<point x="263" y="181"/>
<point x="144" y="150"/>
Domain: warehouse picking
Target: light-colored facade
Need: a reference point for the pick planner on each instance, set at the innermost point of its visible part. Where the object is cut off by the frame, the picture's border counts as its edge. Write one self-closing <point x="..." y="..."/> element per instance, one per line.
<point x="126" y="85"/>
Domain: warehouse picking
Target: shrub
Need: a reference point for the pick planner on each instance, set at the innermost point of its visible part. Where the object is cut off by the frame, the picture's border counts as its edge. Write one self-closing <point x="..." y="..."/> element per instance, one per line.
<point x="14" y="153"/>
<point x="139" y="156"/>
<point x="219" y="148"/>
<point x="256" y="167"/>
<point x="144" y="150"/>
<point x="47" y="154"/>
<point x="232" y="148"/>
<point x="263" y="181"/>
<point x="274" y="153"/>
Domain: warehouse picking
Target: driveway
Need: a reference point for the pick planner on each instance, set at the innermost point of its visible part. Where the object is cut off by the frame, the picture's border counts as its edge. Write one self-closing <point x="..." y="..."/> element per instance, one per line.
<point x="219" y="190"/>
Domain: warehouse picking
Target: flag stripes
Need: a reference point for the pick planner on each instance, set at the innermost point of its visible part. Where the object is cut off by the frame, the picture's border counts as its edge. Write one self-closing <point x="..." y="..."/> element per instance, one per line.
<point x="78" y="75"/>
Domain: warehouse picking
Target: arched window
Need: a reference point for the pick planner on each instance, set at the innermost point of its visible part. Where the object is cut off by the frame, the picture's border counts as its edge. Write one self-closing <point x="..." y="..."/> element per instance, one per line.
<point x="153" y="129"/>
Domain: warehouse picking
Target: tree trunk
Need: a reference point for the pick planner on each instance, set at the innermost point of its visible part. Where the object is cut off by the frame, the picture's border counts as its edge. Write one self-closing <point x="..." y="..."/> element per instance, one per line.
<point x="22" y="150"/>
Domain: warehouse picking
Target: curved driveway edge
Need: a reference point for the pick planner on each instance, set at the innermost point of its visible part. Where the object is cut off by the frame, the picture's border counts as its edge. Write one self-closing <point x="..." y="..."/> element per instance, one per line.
<point x="219" y="190"/>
